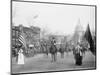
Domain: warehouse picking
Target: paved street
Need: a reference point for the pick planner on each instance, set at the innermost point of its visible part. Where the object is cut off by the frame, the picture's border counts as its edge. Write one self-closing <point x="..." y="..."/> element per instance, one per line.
<point x="41" y="62"/>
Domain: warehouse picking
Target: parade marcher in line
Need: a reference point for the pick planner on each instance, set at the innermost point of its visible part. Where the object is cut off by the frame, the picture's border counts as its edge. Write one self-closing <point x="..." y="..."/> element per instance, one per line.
<point x="53" y="50"/>
<point x="20" y="56"/>
<point x="61" y="50"/>
<point x="45" y="47"/>
<point x="67" y="48"/>
<point x="78" y="54"/>
<point x="41" y="46"/>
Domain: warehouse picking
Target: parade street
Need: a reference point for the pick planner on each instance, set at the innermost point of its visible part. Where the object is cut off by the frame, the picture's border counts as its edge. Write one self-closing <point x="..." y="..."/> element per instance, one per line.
<point x="42" y="62"/>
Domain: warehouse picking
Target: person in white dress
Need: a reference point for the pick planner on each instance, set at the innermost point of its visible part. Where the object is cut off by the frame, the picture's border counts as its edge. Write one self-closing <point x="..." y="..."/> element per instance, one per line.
<point x="20" y="57"/>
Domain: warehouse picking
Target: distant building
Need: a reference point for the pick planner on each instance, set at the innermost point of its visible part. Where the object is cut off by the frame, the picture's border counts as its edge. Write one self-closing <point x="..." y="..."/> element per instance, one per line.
<point x="15" y="35"/>
<point x="32" y="35"/>
<point x="78" y="34"/>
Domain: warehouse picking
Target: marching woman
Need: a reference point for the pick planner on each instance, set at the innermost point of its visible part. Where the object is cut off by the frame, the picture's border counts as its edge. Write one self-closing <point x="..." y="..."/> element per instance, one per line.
<point x="20" y="56"/>
<point x="78" y="54"/>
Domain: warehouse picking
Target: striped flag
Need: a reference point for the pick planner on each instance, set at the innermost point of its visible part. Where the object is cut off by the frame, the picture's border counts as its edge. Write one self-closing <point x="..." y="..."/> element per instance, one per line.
<point x="22" y="39"/>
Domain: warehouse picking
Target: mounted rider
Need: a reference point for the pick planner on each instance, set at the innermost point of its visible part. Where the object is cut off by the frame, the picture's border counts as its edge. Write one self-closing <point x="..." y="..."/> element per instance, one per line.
<point x="53" y="49"/>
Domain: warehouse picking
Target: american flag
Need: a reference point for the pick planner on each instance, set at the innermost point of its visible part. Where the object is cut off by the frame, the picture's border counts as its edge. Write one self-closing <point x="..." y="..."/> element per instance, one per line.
<point x="22" y="39"/>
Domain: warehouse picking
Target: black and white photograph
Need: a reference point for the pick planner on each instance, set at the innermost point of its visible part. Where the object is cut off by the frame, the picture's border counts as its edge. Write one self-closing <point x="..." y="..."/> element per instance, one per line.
<point x="52" y="37"/>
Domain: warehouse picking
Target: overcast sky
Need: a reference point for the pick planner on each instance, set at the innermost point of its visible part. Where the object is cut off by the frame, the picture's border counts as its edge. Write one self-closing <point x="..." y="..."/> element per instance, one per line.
<point x="56" y="18"/>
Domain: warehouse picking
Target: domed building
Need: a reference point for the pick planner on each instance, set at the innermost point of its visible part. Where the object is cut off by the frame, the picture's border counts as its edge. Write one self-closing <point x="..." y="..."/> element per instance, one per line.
<point x="78" y="34"/>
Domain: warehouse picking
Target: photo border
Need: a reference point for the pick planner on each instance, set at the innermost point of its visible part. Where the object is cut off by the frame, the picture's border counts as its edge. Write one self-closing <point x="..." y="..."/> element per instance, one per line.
<point x="51" y="3"/>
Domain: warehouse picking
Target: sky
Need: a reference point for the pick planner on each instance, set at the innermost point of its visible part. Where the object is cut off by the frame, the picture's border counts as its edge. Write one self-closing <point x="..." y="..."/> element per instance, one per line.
<point x="54" y="18"/>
